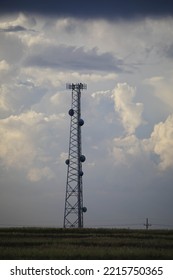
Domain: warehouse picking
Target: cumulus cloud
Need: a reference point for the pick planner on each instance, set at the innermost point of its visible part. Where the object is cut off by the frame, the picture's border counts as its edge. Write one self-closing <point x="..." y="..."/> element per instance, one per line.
<point x="101" y="93"/>
<point x="24" y="141"/>
<point x="53" y="79"/>
<point x="15" y="148"/>
<point x="126" y="148"/>
<point x="20" y="23"/>
<point x="129" y="149"/>
<point x="162" y="142"/>
<point x="4" y="66"/>
<point x="129" y="111"/>
<point x="132" y="152"/>
<point x="12" y="49"/>
<point x="162" y="88"/>
<point x="36" y="174"/>
<point x="4" y="104"/>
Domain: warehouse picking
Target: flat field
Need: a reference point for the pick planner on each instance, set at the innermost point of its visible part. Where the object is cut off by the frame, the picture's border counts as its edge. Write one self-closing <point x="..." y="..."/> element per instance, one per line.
<point x="52" y="243"/>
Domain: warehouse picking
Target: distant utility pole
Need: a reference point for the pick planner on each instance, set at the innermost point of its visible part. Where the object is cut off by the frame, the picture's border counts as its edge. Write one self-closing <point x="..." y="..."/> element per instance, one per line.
<point x="147" y="225"/>
<point x="73" y="214"/>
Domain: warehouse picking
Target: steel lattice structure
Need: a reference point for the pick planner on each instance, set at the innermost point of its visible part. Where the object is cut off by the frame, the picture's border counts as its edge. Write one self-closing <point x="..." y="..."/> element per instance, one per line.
<point x="73" y="213"/>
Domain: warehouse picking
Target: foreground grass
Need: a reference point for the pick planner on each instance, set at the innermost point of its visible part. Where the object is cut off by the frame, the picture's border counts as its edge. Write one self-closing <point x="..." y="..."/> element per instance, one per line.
<point x="48" y="243"/>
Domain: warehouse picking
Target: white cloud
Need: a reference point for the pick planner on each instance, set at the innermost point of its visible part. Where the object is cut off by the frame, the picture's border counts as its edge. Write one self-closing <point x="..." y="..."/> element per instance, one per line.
<point x="162" y="142"/>
<point x="129" y="150"/>
<point x="4" y="104"/>
<point x="56" y="98"/>
<point x="129" y="111"/>
<point x="4" y="66"/>
<point x="25" y="139"/>
<point x="63" y="156"/>
<point x="162" y="88"/>
<point x="37" y="174"/>
<point x="51" y="77"/>
<point x="101" y="93"/>
<point x="15" y="148"/>
<point x="18" y="20"/>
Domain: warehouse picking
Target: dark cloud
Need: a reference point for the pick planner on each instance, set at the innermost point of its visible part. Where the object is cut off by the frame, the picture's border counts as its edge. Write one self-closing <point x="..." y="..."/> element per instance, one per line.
<point x="70" y="57"/>
<point x="78" y="8"/>
<point x="16" y="28"/>
<point x="169" y="51"/>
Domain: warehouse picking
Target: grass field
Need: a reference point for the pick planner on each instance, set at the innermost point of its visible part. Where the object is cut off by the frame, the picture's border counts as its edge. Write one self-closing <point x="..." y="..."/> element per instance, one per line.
<point x="51" y="243"/>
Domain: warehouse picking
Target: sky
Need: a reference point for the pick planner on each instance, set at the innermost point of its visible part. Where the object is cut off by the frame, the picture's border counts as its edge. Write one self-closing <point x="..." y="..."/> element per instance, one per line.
<point x="123" y="51"/>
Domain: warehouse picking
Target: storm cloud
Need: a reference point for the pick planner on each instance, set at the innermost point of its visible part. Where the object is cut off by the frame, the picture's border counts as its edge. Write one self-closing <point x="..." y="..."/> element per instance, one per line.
<point x="16" y="28"/>
<point x="71" y="57"/>
<point x="91" y="9"/>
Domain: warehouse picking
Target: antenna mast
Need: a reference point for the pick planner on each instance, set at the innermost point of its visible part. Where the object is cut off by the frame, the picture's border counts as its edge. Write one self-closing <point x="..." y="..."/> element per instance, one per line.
<point x="73" y="213"/>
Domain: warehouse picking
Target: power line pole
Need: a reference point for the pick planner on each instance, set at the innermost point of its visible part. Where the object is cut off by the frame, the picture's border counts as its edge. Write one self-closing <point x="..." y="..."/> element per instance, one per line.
<point x="147" y="225"/>
<point x="73" y="213"/>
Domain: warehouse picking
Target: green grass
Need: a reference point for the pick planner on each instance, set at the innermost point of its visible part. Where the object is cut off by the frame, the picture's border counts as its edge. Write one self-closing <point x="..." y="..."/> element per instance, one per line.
<point x="51" y="243"/>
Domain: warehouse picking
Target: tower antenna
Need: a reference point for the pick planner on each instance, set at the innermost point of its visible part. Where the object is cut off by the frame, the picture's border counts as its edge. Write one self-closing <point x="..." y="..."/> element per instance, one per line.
<point x="73" y="213"/>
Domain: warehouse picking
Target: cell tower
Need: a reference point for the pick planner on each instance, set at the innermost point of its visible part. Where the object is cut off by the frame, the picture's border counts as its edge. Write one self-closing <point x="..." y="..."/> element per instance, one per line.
<point x="73" y="213"/>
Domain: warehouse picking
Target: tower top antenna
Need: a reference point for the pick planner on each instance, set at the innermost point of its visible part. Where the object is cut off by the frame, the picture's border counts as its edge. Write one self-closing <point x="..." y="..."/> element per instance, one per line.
<point x="77" y="86"/>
